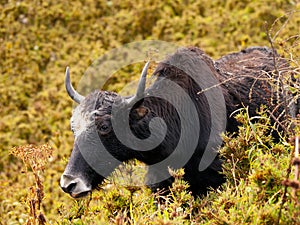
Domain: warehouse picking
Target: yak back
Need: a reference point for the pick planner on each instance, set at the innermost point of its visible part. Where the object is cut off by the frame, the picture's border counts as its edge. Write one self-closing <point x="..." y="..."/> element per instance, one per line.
<point x="186" y="57"/>
<point x="170" y="69"/>
<point x="250" y="81"/>
<point x="247" y="78"/>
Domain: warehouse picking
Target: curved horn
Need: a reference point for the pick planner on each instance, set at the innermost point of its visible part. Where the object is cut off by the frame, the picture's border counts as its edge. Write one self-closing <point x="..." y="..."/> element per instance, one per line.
<point x="71" y="91"/>
<point x="141" y="86"/>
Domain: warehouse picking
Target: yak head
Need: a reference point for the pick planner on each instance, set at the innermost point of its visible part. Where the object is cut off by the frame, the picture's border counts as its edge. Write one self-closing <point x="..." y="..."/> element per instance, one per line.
<point x="96" y="150"/>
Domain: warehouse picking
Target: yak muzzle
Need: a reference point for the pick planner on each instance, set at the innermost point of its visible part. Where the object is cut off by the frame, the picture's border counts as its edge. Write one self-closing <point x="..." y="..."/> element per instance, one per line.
<point x="74" y="186"/>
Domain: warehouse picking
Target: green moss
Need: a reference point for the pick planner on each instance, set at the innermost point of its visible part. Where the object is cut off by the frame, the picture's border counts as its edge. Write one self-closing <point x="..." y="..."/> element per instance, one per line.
<point x="38" y="39"/>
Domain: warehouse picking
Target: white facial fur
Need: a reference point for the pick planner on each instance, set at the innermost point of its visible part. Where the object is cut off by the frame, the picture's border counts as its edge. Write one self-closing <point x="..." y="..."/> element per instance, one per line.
<point x="79" y="121"/>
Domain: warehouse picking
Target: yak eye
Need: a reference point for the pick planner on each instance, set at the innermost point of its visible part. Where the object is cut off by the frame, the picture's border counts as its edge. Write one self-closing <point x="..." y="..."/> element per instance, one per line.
<point x="104" y="128"/>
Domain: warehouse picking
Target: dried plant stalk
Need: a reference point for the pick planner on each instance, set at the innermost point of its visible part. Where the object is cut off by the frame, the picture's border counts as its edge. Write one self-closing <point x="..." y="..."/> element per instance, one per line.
<point x="35" y="158"/>
<point x="296" y="163"/>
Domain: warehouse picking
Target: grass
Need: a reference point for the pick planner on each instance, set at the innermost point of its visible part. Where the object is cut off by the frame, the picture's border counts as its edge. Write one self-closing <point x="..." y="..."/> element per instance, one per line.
<point x="40" y="38"/>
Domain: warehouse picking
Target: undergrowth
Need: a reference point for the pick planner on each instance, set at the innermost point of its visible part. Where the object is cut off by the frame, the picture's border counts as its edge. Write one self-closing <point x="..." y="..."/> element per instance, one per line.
<point x="255" y="168"/>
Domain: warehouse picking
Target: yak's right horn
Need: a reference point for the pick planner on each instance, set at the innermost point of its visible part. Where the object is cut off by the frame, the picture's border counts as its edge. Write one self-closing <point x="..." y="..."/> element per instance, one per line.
<point x="71" y="91"/>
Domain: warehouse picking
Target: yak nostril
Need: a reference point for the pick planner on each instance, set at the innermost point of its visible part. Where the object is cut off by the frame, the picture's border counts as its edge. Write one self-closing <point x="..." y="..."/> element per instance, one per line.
<point x="69" y="188"/>
<point x="68" y="183"/>
<point x="75" y="186"/>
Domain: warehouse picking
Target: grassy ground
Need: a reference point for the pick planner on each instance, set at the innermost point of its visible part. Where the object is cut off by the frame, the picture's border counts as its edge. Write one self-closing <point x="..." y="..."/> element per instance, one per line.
<point x="38" y="39"/>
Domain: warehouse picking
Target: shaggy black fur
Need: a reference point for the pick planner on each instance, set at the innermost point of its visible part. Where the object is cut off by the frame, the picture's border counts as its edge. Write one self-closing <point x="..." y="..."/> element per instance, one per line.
<point x="242" y="77"/>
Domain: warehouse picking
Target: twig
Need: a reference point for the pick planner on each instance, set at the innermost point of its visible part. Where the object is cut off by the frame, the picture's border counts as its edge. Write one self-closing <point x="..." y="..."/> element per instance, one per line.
<point x="284" y="25"/>
<point x="271" y="41"/>
<point x="296" y="162"/>
<point x="277" y="121"/>
<point x="283" y="200"/>
<point x="294" y="183"/>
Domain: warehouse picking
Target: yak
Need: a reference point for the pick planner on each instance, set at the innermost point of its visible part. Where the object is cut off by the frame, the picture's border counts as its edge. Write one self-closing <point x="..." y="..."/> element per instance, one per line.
<point x="173" y="123"/>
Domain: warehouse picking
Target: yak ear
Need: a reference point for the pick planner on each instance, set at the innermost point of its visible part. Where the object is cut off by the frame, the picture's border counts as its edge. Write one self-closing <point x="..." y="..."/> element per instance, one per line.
<point x="140" y="112"/>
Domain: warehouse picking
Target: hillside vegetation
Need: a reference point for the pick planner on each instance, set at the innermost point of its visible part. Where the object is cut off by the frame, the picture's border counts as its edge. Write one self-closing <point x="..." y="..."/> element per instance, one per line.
<point x="38" y="39"/>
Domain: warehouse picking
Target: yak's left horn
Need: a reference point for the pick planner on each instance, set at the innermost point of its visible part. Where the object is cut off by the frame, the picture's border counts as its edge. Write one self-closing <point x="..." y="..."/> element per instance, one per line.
<point x="141" y="86"/>
<point x="71" y="91"/>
